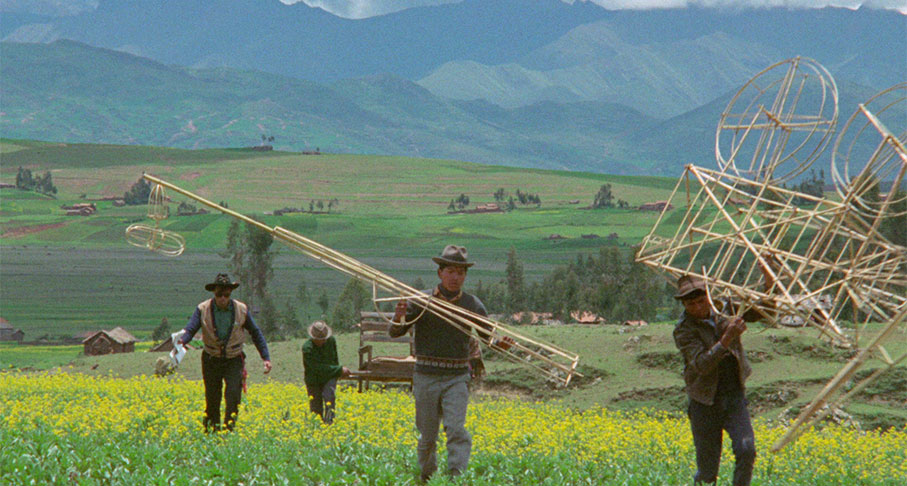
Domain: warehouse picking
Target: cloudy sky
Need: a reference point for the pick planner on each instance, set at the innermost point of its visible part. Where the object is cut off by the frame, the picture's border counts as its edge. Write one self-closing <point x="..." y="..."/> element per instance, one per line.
<point x="356" y="9"/>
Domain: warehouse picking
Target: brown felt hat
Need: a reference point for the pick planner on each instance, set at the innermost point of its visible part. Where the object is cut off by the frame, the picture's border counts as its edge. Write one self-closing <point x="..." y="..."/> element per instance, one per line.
<point x="688" y="285"/>
<point x="319" y="330"/>
<point x="222" y="280"/>
<point x="453" y="255"/>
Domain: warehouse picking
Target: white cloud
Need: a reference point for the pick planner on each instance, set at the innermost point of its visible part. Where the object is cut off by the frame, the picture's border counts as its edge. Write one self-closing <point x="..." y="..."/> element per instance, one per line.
<point x="358" y="9"/>
<point x="899" y="5"/>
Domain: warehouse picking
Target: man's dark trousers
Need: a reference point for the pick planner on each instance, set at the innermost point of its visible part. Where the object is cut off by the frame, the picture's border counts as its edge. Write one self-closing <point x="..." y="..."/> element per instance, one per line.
<point x="707" y="422"/>
<point x="322" y="398"/>
<point x="216" y="372"/>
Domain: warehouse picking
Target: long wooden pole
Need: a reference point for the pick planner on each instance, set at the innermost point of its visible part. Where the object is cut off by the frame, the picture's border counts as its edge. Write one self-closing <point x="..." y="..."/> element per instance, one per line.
<point x="557" y="364"/>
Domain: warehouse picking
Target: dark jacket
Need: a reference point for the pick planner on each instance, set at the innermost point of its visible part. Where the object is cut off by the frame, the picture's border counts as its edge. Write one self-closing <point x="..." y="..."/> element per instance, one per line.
<point x="440" y="348"/>
<point x="702" y="353"/>
<point x="321" y="362"/>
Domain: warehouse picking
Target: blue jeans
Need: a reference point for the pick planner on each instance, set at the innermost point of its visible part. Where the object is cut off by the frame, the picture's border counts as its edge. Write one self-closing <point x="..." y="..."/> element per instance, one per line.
<point x="322" y="398"/>
<point x="707" y="422"/>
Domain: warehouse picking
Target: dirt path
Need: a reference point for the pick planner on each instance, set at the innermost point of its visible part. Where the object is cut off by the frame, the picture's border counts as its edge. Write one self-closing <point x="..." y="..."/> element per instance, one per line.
<point x="27" y="230"/>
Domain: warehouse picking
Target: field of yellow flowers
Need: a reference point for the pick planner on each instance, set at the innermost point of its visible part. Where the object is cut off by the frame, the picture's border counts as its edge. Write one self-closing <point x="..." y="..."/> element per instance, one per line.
<point x="66" y="428"/>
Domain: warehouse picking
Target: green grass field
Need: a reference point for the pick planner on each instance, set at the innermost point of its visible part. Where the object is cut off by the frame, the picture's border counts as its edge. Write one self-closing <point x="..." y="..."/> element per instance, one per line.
<point x="100" y="430"/>
<point x="392" y="215"/>
<point x="624" y="369"/>
<point x="64" y="275"/>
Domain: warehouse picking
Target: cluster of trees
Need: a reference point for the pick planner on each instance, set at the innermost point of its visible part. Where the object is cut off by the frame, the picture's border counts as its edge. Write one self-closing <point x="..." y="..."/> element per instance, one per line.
<point x="43" y="184"/>
<point x="459" y="203"/>
<point x="138" y="193"/>
<point x="526" y="198"/>
<point x="186" y="209"/>
<point x="813" y="186"/>
<point x="162" y="331"/>
<point x="523" y="198"/>
<point x="610" y="284"/>
<point x="353" y="299"/>
<point x="313" y="205"/>
<point x="604" y="198"/>
<point x="318" y="203"/>
<point x="251" y="256"/>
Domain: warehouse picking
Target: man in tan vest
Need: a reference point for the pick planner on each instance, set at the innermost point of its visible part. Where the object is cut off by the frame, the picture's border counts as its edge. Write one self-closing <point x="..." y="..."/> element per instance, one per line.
<point x="224" y="323"/>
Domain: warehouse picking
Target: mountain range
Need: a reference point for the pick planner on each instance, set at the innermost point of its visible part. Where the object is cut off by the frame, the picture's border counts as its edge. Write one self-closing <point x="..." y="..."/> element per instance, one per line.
<point x="516" y="82"/>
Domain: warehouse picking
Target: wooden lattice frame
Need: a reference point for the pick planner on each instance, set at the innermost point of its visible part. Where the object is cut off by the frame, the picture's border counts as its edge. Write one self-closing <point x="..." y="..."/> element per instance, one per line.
<point x="776" y="250"/>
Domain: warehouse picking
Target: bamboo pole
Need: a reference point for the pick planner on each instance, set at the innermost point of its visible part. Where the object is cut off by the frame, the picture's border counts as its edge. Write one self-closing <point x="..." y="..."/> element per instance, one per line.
<point x="808" y="415"/>
<point x="555" y="363"/>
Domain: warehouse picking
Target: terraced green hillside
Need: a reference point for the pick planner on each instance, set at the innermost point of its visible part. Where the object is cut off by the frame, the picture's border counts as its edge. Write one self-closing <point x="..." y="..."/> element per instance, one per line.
<point x="392" y="213"/>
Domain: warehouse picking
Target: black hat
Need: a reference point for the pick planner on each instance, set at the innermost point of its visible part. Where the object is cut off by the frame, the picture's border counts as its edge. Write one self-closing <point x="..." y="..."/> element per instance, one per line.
<point x="222" y="280"/>
<point x="453" y="255"/>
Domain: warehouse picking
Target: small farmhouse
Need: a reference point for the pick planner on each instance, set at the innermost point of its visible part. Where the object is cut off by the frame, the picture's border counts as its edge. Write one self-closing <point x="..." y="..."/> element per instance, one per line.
<point x="585" y="317"/>
<point x="9" y="333"/>
<point x="166" y="345"/>
<point x="117" y="340"/>
<point x="80" y="209"/>
<point x="656" y="206"/>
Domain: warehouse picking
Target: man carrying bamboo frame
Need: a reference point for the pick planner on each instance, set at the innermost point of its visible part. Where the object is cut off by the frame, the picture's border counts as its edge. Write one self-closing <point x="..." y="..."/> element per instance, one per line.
<point x="715" y="370"/>
<point x="442" y="365"/>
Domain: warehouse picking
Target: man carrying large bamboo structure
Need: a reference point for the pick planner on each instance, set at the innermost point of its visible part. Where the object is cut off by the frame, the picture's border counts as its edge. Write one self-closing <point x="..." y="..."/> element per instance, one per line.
<point x="715" y="370"/>
<point x="442" y="365"/>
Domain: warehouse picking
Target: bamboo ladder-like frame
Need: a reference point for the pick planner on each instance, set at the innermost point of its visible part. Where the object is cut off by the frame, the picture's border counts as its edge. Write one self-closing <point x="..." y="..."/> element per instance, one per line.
<point x="883" y="279"/>
<point x="555" y="363"/>
<point x="776" y="250"/>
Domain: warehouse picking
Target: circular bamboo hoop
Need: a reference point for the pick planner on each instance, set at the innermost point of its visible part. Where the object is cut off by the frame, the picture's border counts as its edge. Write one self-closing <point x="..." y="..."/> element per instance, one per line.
<point x="779" y="122"/>
<point x="876" y="134"/>
<point x="155" y="239"/>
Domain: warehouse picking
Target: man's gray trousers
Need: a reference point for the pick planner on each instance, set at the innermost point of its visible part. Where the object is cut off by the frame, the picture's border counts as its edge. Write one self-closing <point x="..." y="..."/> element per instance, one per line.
<point x="442" y="398"/>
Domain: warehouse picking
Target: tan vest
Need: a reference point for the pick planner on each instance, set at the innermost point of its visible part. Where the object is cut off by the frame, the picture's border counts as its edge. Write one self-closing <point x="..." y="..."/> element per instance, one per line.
<point x="214" y="346"/>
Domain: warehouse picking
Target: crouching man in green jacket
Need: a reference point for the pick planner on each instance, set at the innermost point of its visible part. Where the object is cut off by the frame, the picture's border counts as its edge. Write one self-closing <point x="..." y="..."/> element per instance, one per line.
<point x="322" y="368"/>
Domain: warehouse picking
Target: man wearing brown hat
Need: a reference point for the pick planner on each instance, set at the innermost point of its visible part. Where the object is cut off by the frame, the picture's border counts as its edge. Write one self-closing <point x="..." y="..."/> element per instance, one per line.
<point x="225" y="323"/>
<point x="442" y="366"/>
<point x="321" y="370"/>
<point x="715" y="370"/>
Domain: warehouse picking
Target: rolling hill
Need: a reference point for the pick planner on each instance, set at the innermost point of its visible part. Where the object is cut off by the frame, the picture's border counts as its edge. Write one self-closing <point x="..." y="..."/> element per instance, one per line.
<point x="71" y="92"/>
<point x="511" y="52"/>
<point x="74" y="93"/>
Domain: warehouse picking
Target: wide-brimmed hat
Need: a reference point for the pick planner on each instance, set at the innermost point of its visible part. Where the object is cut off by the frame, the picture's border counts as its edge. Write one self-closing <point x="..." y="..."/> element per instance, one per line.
<point x="687" y="285"/>
<point x="221" y="280"/>
<point x="319" y="330"/>
<point x="453" y="255"/>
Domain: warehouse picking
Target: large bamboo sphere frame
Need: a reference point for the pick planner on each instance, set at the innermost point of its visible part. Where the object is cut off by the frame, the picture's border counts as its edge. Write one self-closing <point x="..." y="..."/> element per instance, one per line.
<point x="739" y="223"/>
<point x="879" y="125"/>
<point x="779" y="122"/>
